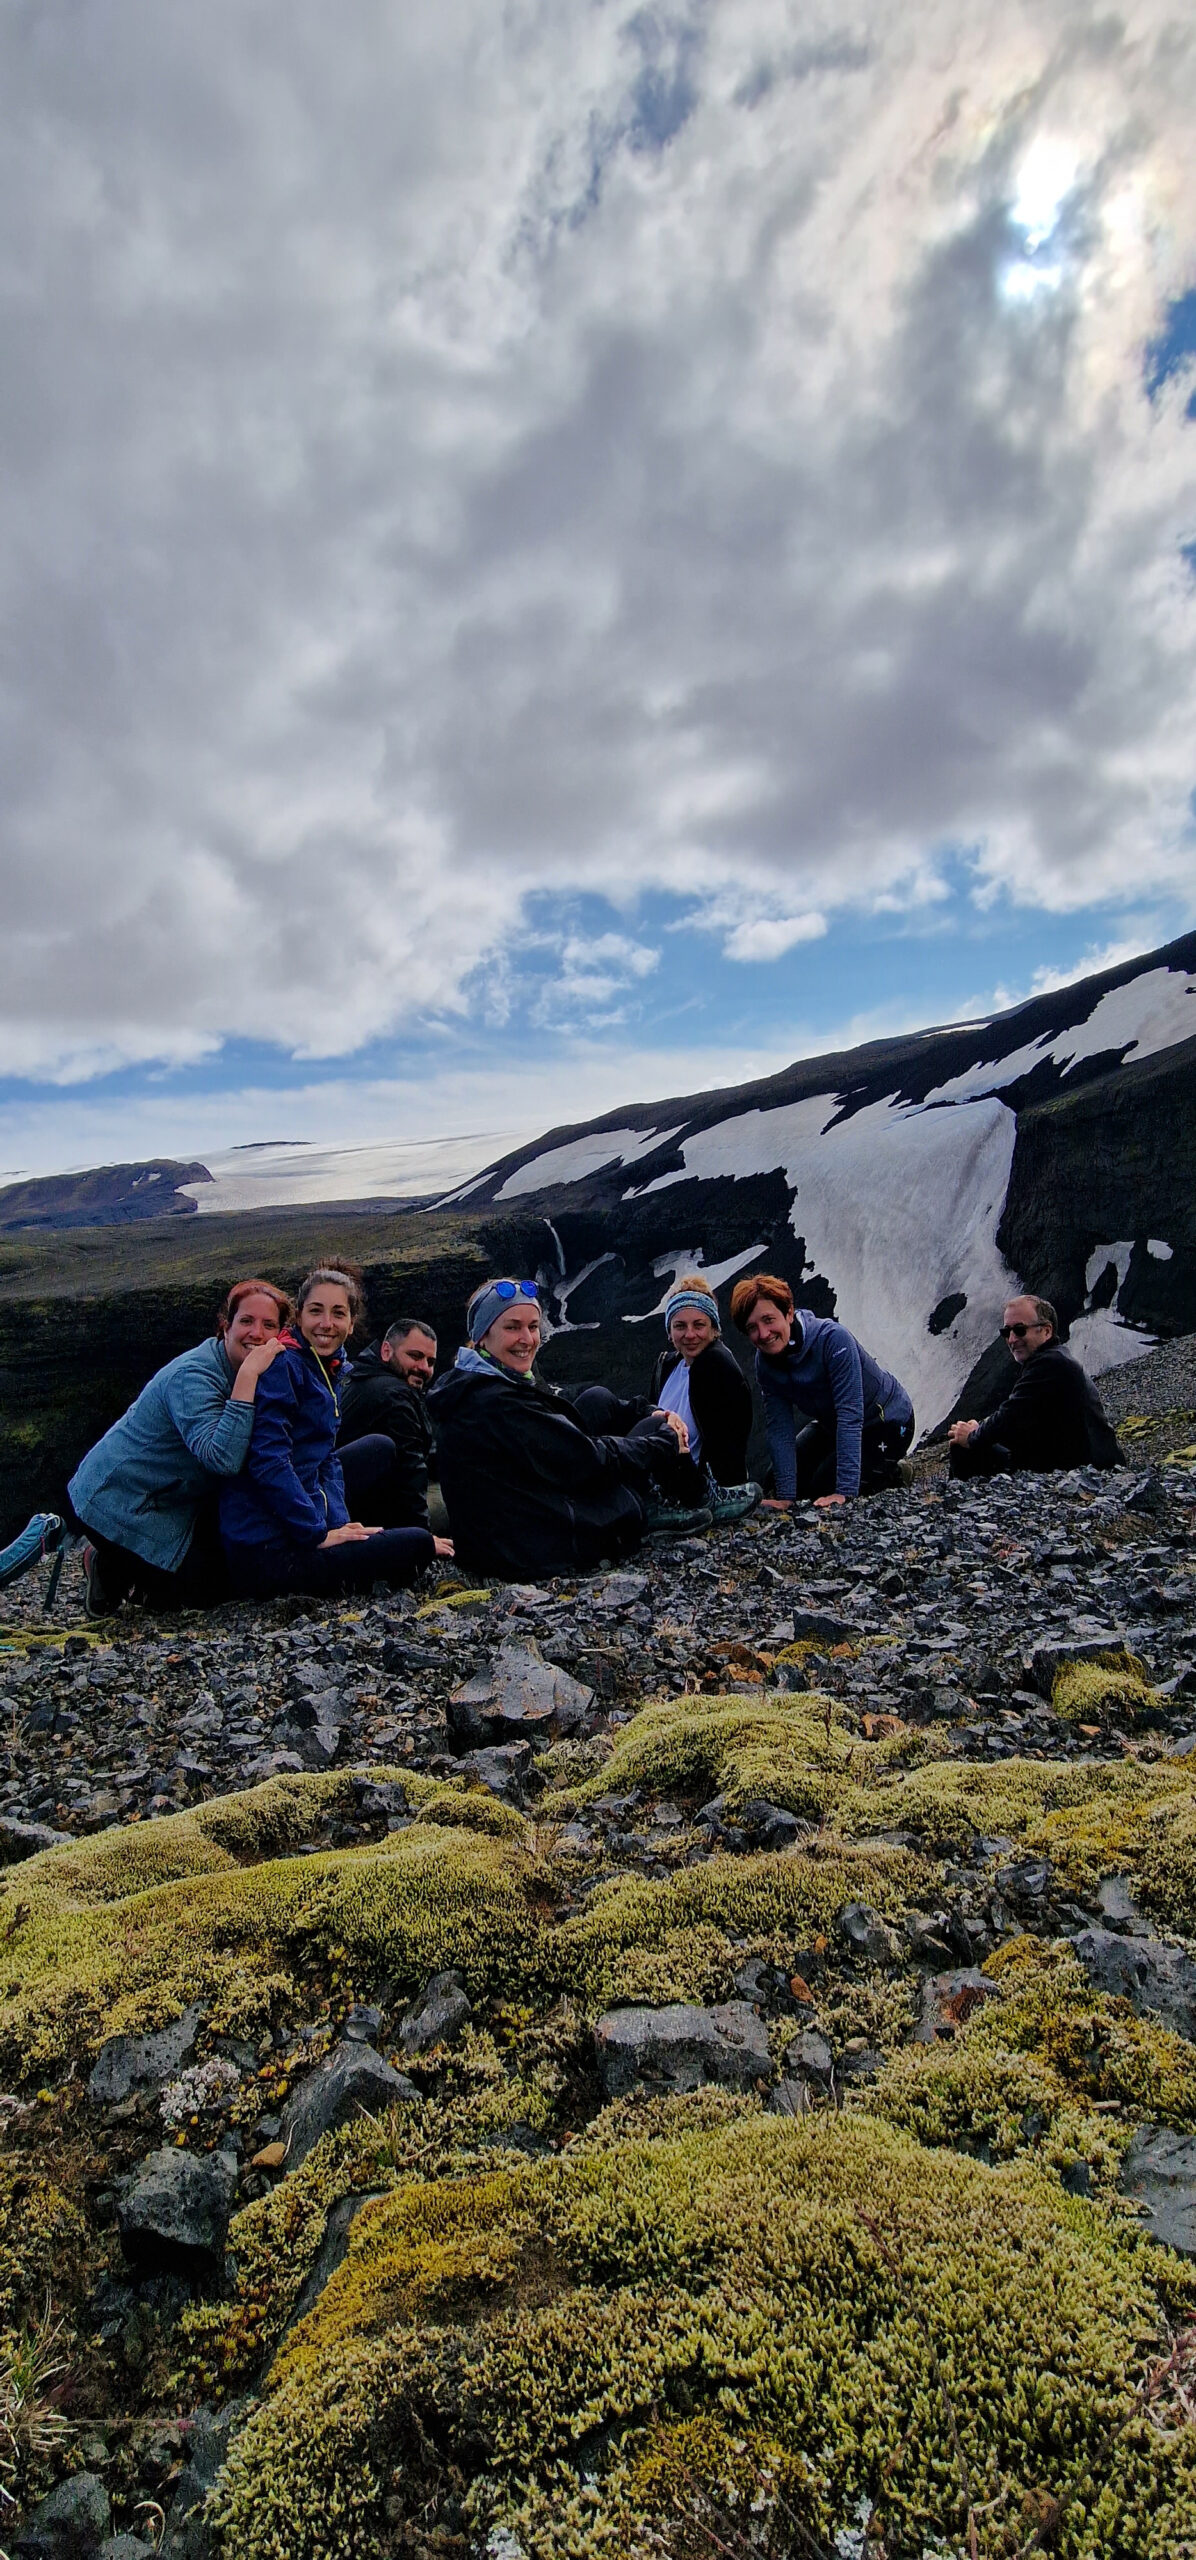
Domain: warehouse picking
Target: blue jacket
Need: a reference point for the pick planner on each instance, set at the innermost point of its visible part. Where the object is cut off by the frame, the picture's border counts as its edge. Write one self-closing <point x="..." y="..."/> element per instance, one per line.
<point x="142" y="1483"/>
<point x="825" y="1376"/>
<point x="291" y="1490"/>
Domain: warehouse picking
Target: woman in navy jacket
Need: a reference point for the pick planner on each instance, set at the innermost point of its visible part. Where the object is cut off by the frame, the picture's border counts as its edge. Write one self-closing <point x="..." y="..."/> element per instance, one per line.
<point x="837" y="1422"/>
<point x="284" y="1521"/>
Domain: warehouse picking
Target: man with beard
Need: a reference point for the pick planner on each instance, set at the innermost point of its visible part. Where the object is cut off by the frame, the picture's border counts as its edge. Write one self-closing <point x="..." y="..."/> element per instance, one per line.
<point x="386" y="1392"/>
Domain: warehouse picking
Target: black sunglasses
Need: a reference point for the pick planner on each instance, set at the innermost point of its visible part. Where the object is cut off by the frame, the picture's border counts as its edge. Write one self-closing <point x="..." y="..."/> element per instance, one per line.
<point x="508" y="1289"/>
<point x="1018" y="1332"/>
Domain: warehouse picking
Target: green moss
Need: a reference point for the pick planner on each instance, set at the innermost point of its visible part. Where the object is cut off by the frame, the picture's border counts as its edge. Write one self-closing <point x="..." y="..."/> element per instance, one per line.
<point x="43" y="2244"/>
<point x="994" y="2104"/>
<point x="121" y="1932"/>
<point x="1096" y="2045"/>
<point x="1115" y="1688"/>
<point x="636" y="1939"/>
<point x="811" y="2287"/>
<point x="803" y="1753"/>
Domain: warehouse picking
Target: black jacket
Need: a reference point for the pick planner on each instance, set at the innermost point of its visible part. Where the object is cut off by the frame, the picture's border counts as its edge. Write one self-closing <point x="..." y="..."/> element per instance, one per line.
<point x="528" y="1491"/>
<point x="378" y="1397"/>
<point x="722" y="1407"/>
<point x="1052" y="1417"/>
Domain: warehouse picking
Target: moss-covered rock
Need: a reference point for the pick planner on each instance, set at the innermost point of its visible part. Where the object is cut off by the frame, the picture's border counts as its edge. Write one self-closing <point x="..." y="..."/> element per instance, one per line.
<point x="833" y="2294"/>
<point x="1114" y="1689"/>
<point x="804" y="1754"/>
<point x="118" y="1933"/>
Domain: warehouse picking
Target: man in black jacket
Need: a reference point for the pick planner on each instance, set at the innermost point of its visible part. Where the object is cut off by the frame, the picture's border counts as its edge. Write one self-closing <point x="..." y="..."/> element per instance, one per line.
<point x="1053" y="1416"/>
<point x="386" y="1393"/>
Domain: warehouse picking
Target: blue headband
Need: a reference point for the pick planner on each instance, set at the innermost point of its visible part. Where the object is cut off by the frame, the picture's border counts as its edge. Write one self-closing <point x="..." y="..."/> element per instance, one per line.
<point x="495" y="1301"/>
<point x="692" y="1298"/>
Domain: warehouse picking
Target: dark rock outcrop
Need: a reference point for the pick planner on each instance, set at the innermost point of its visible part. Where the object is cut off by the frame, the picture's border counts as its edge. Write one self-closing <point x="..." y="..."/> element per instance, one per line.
<point x="354" y="2081"/>
<point x="681" y="2047"/>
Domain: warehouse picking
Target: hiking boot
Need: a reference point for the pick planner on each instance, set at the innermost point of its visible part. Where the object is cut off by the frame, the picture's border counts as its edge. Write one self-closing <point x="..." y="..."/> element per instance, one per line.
<point x="669" y="1520"/>
<point x="730" y="1502"/>
<point x="97" y="1599"/>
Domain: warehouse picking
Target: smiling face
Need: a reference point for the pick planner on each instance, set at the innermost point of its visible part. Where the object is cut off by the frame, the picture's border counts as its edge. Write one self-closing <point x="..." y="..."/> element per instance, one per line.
<point x="414" y="1358"/>
<point x="768" y="1327"/>
<point x="326" y="1318"/>
<point x="514" y="1337"/>
<point x="255" y="1321"/>
<point x="1022" y="1346"/>
<point x="690" y="1332"/>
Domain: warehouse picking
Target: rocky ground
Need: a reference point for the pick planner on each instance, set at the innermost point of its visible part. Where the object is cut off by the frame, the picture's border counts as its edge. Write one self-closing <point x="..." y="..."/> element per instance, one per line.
<point x="829" y="1880"/>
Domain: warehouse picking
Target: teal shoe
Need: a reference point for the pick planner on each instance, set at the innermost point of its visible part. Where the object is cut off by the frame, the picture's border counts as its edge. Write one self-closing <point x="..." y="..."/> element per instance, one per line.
<point x="730" y="1502"/>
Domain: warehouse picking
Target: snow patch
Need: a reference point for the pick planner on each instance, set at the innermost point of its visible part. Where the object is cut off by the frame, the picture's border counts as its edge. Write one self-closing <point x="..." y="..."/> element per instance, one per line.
<point x="293" y="1174"/>
<point x="1158" y="1251"/>
<point x="669" y="1266"/>
<point x="582" y="1156"/>
<point x="1103" y="1340"/>
<point x="899" y="1209"/>
<point x="1149" y="1013"/>
<point x="1098" y="1262"/>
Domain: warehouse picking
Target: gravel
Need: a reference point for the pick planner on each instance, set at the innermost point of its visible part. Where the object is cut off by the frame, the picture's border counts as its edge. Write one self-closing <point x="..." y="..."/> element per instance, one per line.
<point x="1162" y="1382"/>
<point x="139" y="1716"/>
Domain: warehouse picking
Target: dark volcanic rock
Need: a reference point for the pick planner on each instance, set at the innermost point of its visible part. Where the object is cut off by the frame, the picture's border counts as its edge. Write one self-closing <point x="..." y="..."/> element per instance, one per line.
<point x="442" y="2007"/>
<point x="1157" y="1978"/>
<point x="507" y="1769"/>
<point x="332" y="2251"/>
<point x="1159" y="2171"/>
<point x="71" y="2524"/>
<point x="519" y="1695"/>
<point x="681" y="2047"/>
<point x="175" y="2210"/>
<point x="1047" y="1660"/>
<point x="19" y="1840"/>
<point x="133" y="2063"/>
<point x="354" y="2081"/>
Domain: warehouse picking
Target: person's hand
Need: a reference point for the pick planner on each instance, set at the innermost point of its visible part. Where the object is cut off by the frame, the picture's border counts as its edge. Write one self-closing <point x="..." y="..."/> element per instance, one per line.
<point x="829" y="1501"/>
<point x="444" y="1549"/>
<point x="253" y="1365"/>
<point x="959" y="1433"/>
<point x="775" y="1502"/>
<point x="348" y="1535"/>
<point x="675" y="1423"/>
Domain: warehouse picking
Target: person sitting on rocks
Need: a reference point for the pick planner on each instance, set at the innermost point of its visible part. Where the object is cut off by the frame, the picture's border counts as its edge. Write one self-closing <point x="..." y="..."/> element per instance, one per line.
<point x="530" y="1489"/>
<point x="284" y="1522"/>
<point x="838" y="1424"/>
<point x="1052" y="1416"/>
<point x="701" y="1390"/>
<point x="138" y="1496"/>
<point x="386" y="1393"/>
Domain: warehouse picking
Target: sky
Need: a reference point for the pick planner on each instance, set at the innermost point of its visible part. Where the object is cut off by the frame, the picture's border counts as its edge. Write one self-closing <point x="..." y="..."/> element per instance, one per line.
<point x="563" y="552"/>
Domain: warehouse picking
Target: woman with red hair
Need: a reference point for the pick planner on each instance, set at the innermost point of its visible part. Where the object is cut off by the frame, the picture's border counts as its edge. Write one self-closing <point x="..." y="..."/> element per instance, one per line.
<point x="837" y="1422"/>
<point x="138" y="1494"/>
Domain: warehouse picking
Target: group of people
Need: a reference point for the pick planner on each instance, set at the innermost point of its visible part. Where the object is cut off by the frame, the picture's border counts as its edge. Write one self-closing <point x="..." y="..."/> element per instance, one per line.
<point x="247" y="1466"/>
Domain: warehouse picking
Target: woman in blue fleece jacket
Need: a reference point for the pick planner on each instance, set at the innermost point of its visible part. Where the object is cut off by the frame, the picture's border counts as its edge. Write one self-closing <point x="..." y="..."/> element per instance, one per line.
<point x="837" y="1422"/>
<point x="284" y="1521"/>
<point x="141" y="1493"/>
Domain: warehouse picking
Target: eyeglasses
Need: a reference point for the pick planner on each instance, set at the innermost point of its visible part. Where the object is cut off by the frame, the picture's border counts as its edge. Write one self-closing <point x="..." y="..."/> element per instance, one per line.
<point x="1018" y="1332"/>
<point x="508" y="1289"/>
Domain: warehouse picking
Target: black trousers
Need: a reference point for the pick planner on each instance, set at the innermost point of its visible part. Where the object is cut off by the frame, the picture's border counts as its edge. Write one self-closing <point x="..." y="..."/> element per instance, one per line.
<point x="881" y="1445"/>
<point x="325" y="1573"/>
<point x="394" y="1555"/>
<point x="990" y="1459"/>
<point x="655" y="1464"/>
<point x="203" y="1577"/>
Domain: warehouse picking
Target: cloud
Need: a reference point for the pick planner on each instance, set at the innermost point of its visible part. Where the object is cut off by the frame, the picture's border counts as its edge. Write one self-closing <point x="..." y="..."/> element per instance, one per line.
<point x="466" y="454"/>
<point x="769" y="936"/>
